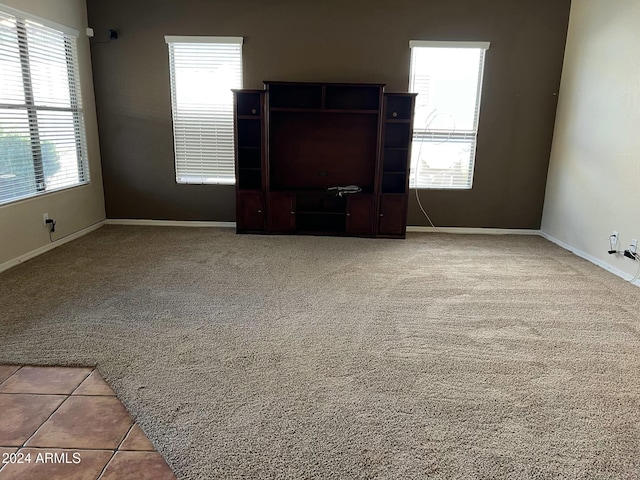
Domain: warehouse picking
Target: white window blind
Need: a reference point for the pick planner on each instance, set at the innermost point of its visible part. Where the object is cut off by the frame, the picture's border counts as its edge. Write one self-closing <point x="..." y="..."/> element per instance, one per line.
<point x="203" y="72"/>
<point x="448" y="79"/>
<point x="42" y="136"/>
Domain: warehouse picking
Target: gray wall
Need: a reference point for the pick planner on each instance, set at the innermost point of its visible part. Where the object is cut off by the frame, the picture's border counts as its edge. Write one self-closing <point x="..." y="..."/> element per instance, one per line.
<point x="331" y="40"/>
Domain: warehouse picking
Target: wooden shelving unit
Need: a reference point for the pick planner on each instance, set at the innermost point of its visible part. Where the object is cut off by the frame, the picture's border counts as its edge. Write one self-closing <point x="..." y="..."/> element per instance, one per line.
<point x="249" y="125"/>
<point x="296" y="140"/>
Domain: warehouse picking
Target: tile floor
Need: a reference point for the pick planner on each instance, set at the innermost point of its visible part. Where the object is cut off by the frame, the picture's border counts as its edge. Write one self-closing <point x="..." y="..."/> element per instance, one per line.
<point x="61" y="423"/>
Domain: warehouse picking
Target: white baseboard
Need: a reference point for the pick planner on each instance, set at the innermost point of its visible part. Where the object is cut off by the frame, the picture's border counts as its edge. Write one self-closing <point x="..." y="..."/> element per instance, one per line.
<point x="506" y="231"/>
<point x="473" y="231"/>
<point x="590" y="258"/>
<point x="169" y="223"/>
<point x="188" y="223"/>
<point x="50" y="246"/>
<point x="412" y="229"/>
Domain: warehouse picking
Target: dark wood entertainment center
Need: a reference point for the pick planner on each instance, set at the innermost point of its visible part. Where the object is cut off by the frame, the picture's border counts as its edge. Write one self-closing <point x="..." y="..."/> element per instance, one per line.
<point x="293" y="141"/>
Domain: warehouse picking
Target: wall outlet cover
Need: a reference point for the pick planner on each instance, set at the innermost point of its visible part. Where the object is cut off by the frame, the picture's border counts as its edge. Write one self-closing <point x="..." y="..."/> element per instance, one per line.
<point x="614" y="238"/>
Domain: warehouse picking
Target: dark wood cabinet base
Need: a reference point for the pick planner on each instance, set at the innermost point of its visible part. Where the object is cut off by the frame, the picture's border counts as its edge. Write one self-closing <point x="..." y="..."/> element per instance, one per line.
<point x="250" y="215"/>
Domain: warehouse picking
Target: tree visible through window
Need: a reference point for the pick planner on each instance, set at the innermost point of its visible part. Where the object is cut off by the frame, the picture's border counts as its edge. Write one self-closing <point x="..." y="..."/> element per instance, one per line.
<point x="448" y="79"/>
<point x="42" y="138"/>
<point x="204" y="70"/>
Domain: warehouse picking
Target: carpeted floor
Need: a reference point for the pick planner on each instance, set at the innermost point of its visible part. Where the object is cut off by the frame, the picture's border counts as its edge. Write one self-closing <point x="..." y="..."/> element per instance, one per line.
<point x="441" y="356"/>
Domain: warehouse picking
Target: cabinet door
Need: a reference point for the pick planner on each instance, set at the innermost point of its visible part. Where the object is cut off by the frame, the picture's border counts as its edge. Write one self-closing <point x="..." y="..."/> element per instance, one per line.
<point x="250" y="212"/>
<point x="360" y="211"/>
<point x="282" y="214"/>
<point x="392" y="219"/>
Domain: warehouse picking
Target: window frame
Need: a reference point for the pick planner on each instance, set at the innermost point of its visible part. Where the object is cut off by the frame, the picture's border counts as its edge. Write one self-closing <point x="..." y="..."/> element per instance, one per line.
<point x="227" y="122"/>
<point x="420" y="135"/>
<point x="31" y="107"/>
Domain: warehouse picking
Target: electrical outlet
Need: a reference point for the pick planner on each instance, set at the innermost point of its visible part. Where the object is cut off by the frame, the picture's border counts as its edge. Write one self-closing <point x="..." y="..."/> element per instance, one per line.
<point x="45" y="217"/>
<point x="633" y="246"/>
<point x="613" y="238"/>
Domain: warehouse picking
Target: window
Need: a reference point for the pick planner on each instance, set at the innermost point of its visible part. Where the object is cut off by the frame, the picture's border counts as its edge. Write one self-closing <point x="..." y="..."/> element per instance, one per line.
<point x="203" y="72"/>
<point x="42" y="138"/>
<point x="448" y="79"/>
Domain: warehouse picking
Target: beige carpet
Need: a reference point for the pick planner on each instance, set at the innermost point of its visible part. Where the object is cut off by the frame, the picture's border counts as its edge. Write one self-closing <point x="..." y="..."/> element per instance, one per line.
<point x="444" y="357"/>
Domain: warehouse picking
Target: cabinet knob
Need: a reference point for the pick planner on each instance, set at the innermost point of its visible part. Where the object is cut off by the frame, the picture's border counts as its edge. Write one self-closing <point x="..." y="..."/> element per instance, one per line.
<point x="254" y="111"/>
<point x="348" y="214"/>
<point x="293" y="213"/>
<point x="394" y="114"/>
<point x="382" y="214"/>
<point x="259" y="211"/>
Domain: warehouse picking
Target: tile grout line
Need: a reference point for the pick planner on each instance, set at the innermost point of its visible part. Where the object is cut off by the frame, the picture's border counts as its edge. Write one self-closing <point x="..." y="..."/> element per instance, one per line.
<point x="28" y="393"/>
<point x="82" y="449"/>
<point x="83" y="380"/>
<point x="126" y="434"/>
<point x="2" y="465"/>
<point x="49" y="394"/>
<point x="24" y="444"/>
<point x="117" y="449"/>
<point x="67" y="396"/>
<point x="104" y="469"/>
<point x="19" y="367"/>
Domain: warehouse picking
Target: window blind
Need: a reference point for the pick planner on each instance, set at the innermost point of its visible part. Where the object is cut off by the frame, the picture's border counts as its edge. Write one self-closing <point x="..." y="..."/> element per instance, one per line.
<point x="42" y="136"/>
<point x="203" y="72"/>
<point x="448" y="79"/>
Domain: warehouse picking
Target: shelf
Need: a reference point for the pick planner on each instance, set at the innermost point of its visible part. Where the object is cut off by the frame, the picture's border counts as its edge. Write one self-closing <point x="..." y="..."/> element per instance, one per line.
<point x="323" y="110"/>
<point x="249" y="134"/>
<point x="249" y="157"/>
<point x="397" y="135"/>
<point x="394" y="183"/>
<point x="399" y="107"/>
<point x="320" y="223"/>
<point x="337" y="232"/>
<point x="395" y="160"/>
<point x="352" y="97"/>
<point x="248" y="103"/>
<point x="286" y="95"/>
<point x="318" y="204"/>
<point x="249" y="178"/>
<point x="302" y="212"/>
